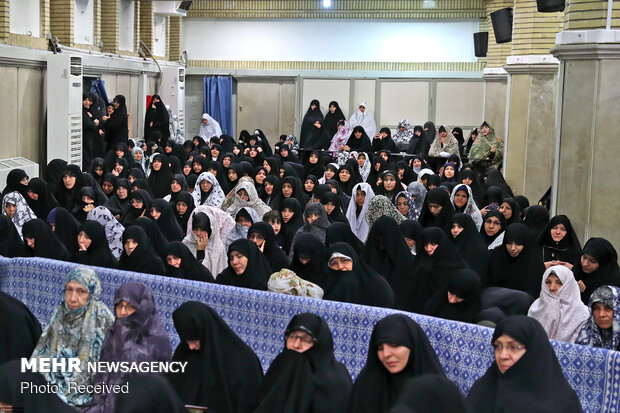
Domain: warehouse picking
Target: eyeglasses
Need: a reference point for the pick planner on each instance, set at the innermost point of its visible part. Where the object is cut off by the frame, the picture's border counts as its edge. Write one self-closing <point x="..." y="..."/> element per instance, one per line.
<point x="338" y="261"/>
<point x="492" y="222"/>
<point x="512" y="348"/>
<point x="79" y="291"/>
<point x="304" y="339"/>
<point x="126" y="307"/>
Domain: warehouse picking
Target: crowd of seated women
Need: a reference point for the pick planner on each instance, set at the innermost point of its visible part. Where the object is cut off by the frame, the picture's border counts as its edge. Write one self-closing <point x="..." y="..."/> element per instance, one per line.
<point x="338" y="216"/>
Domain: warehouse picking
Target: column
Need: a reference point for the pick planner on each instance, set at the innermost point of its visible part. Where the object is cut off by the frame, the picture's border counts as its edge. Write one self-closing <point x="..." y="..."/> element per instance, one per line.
<point x="61" y="20"/>
<point x="587" y="188"/>
<point x="495" y="77"/>
<point x="110" y="25"/>
<point x="532" y="89"/>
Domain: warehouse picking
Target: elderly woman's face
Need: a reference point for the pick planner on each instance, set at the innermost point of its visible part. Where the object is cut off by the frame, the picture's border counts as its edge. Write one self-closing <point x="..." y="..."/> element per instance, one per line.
<point x="75" y="295"/>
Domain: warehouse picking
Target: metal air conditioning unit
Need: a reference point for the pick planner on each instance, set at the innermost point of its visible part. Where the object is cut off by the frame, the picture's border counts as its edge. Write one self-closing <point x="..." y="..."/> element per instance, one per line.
<point x="172" y="7"/>
<point x="64" y="108"/>
<point x="172" y="91"/>
<point x="6" y="165"/>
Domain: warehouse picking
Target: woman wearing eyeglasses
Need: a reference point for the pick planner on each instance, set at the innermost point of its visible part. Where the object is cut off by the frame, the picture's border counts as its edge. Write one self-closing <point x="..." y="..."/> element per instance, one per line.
<point x="398" y="350"/>
<point x="524" y="368"/>
<point x="77" y="329"/>
<point x="137" y="335"/>
<point x="305" y="377"/>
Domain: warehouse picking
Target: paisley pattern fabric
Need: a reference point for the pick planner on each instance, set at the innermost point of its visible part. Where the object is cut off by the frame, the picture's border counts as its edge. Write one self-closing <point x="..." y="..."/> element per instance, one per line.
<point x="287" y="282"/>
<point x="113" y="229"/>
<point x="591" y="334"/>
<point x="23" y="213"/>
<point x="76" y="333"/>
<point x="216" y="196"/>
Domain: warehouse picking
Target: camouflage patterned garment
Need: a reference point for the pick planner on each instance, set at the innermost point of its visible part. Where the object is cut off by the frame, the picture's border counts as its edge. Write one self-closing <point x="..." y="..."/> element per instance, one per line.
<point x="481" y="149"/>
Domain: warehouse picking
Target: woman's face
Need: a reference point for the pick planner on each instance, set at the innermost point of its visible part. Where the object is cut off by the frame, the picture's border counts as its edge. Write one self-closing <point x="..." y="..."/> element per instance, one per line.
<point x="553" y="283"/>
<point x="309" y="185"/>
<point x="109" y="110"/>
<point x="448" y="172"/>
<point x="332" y="109"/>
<point x="260" y="177"/>
<point x="282" y="171"/>
<point x="589" y="264"/>
<point x="507" y="352"/>
<point x="466" y="180"/>
<point x="69" y="181"/>
<point x="75" y="295"/>
<point x="460" y="198"/>
<point x="434" y="209"/>
<point x="119" y="168"/>
<point x="344" y="175"/>
<point x="226" y="162"/>
<point x="124" y="309"/>
<point x="299" y="341"/>
<point x="107" y="187"/>
<point x="287" y="214"/>
<point x="314" y="159"/>
<point x="83" y="240"/>
<point x="287" y="190"/>
<point x="253" y="152"/>
<point x="329" y="208"/>
<point x="313" y="106"/>
<point x="361" y="160"/>
<point x="506" y="209"/>
<point x="137" y="156"/>
<point x="402" y="205"/>
<point x="358" y="134"/>
<point x="329" y="174"/>
<point x="175" y="186"/>
<point x="181" y="207"/>
<point x="311" y="218"/>
<point x="99" y="171"/>
<point x="362" y="109"/>
<point x="268" y="188"/>
<point x="205" y="185"/>
<point x="456" y="230"/>
<point x="238" y="262"/>
<point x="393" y="357"/>
<point x="430" y="248"/>
<point x="410" y="242"/>
<point x="130" y="245"/>
<point x="453" y="298"/>
<point x="389" y="183"/>
<point x="155" y="213"/>
<point x="157" y="164"/>
<point x="196" y="166"/>
<point x="360" y="197"/>
<point x="603" y="315"/>
<point x="243" y="194"/>
<point x="558" y="232"/>
<point x="317" y="124"/>
<point x="121" y="192"/>
<point x="10" y="209"/>
<point x="136" y="203"/>
<point x="215" y="152"/>
<point x="514" y="249"/>
<point x="417" y="163"/>
<point x="492" y="226"/>
<point x="232" y="175"/>
<point x="187" y="169"/>
<point x="341" y="264"/>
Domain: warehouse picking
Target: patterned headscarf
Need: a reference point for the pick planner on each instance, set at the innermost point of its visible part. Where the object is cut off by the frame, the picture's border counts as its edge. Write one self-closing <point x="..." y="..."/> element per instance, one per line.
<point x="23" y="213"/>
<point x="216" y="196"/>
<point x="365" y="170"/>
<point x="413" y="211"/>
<point x="380" y="206"/>
<point x="254" y="202"/>
<point x="76" y="333"/>
<point x="591" y="334"/>
<point x="113" y="229"/>
<point x="471" y="208"/>
<point x="418" y="191"/>
<point x="287" y="282"/>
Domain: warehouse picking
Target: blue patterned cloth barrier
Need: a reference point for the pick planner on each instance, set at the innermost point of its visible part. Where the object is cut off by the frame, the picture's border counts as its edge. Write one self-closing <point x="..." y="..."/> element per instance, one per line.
<point x="260" y="318"/>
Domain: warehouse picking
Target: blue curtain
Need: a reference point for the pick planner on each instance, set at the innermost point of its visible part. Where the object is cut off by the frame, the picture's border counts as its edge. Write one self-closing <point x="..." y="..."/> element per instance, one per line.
<point x="218" y="100"/>
<point x="98" y="86"/>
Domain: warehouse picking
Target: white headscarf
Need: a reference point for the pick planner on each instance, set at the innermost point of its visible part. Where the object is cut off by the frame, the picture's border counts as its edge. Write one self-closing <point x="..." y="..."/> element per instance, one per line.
<point x="471" y="208"/>
<point x="563" y="314"/>
<point x="359" y="226"/>
<point x="364" y="119"/>
<point x="211" y="129"/>
<point x="215" y="259"/>
<point x="215" y="198"/>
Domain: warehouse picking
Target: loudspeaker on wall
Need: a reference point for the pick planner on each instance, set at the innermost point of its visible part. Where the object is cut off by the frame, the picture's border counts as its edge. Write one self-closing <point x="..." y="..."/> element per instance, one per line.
<point x="502" y="24"/>
<point x="481" y="44"/>
<point x="550" y="6"/>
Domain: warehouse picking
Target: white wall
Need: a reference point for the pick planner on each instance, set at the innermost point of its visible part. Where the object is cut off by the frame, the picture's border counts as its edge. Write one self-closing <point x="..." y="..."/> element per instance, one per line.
<point x="25" y="17"/>
<point x="159" y="43"/>
<point x="84" y="21"/>
<point x="126" y="25"/>
<point x="330" y="40"/>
